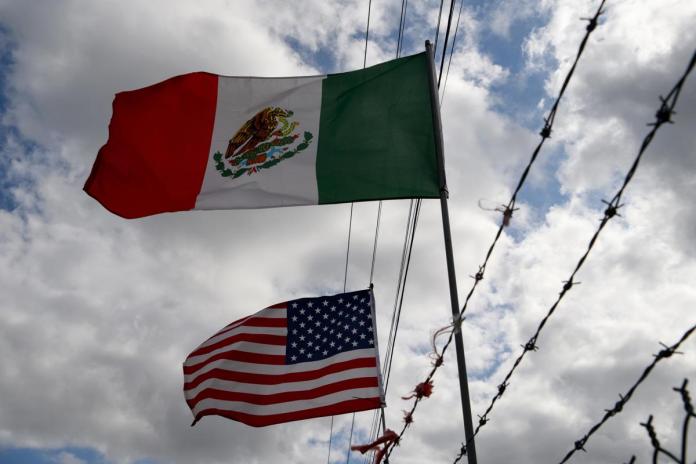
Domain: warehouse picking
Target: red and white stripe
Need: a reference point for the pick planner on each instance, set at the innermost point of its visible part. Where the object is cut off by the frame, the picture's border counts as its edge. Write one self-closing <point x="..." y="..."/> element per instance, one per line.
<point x="240" y="373"/>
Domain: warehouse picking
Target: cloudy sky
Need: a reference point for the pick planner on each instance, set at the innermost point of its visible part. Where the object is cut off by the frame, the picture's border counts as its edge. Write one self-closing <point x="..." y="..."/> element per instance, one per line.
<point x="97" y="313"/>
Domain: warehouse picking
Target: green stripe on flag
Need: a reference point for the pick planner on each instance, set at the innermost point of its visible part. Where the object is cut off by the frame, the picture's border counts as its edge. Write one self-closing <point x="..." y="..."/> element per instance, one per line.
<point x="376" y="134"/>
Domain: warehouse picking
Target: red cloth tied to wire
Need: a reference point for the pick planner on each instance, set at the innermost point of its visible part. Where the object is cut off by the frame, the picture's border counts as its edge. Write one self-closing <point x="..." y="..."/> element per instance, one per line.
<point x="423" y="389"/>
<point x="387" y="439"/>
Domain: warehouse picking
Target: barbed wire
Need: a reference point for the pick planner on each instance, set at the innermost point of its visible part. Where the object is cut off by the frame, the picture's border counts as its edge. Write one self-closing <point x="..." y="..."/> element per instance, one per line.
<point x="689" y="413"/>
<point x="507" y="214"/>
<point x="662" y="116"/>
<point x="666" y="352"/>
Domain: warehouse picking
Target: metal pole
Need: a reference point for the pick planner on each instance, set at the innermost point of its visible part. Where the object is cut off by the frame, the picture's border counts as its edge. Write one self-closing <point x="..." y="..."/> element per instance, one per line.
<point x="454" y="297"/>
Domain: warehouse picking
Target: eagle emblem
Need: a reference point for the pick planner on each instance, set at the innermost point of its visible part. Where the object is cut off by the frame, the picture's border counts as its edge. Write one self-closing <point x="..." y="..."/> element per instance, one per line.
<point x="262" y="142"/>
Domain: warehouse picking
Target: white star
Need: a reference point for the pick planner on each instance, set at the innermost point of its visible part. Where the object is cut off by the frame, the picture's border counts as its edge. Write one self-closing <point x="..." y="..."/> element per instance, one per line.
<point x="294" y="358"/>
<point x="326" y="316"/>
<point x="316" y="348"/>
<point x="317" y="336"/>
<point x="362" y="323"/>
<point x="310" y="304"/>
<point x="362" y="336"/>
<point x="369" y="316"/>
<point x="370" y="329"/>
<point x="331" y="331"/>
<point x="325" y="352"/>
<point x="310" y="318"/>
<point x="354" y="331"/>
<point x="301" y="311"/>
<point x="310" y="343"/>
<point x="302" y="351"/>
<point x="310" y="331"/>
<point x="361" y="311"/>
<point x="294" y="345"/>
<point x="302" y="324"/>
<point x="317" y="310"/>
<point x="355" y="297"/>
<point x="294" y="305"/>
<point x="323" y="340"/>
<point x="340" y="300"/>
<point x="317" y="323"/>
<point x="325" y="328"/>
<point x="309" y="355"/>
<point x="301" y="338"/>
<point x="333" y="308"/>
<point x="353" y="318"/>
<point x="348" y="305"/>
<point x="294" y="331"/>
<point x="340" y="313"/>
<point x="340" y="347"/>
<point x="325" y="303"/>
<point x="333" y="321"/>
<point x="355" y="343"/>
<point x="372" y="342"/>
<point x="332" y="344"/>
<point x="346" y="326"/>
<point x="347" y="340"/>
<point x="339" y="335"/>
<point x="362" y="300"/>
<point x="294" y="318"/>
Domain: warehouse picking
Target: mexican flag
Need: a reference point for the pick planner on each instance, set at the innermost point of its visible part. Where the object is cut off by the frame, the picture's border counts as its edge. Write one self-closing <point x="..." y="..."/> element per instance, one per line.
<point x="203" y="141"/>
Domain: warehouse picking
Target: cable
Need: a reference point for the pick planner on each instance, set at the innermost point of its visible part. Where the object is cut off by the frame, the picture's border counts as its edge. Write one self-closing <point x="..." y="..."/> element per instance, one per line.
<point x="449" y="63"/>
<point x="402" y="27"/>
<point x="437" y="30"/>
<point x="374" y="246"/>
<point x="374" y="251"/>
<point x="444" y="47"/>
<point x="350" y="228"/>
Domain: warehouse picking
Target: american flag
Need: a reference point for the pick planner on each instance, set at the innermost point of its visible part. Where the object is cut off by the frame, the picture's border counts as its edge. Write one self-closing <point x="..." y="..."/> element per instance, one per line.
<point x="304" y="358"/>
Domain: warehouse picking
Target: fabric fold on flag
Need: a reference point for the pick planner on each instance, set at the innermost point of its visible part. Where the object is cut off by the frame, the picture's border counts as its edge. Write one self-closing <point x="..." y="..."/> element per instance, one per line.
<point x="305" y="358"/>
<point x="203" y="141"/>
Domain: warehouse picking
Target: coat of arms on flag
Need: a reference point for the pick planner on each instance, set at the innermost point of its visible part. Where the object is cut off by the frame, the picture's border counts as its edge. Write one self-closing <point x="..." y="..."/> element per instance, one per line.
<point x="300" y="359"/>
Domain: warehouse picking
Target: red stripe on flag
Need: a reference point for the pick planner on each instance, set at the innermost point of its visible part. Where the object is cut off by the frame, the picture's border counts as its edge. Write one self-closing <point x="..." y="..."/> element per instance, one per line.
<point x="243" y="356"/>
<point x="158" y="147"/>
<point x="242" y="337"/>
<point x="239" y="321"/>
<point x="282" y="305"/>
<point x="358" y="404"/>
<point x="212" y="393"/>
<point x="271" y="379"/>
<point x="256" y="322"/>
<point x="266" y="322"/>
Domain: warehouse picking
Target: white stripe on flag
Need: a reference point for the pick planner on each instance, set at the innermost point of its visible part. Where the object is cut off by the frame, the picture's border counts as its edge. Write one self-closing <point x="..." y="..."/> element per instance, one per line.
<point x="247" y="347"/>
<point x="270" y="369"/>
<point x="285" y="387"/>
<point x="290" y="406"/>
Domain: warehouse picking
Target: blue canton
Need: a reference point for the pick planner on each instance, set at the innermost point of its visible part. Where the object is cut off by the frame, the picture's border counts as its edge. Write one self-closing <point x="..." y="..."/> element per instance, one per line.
<point x="319" y="328"/>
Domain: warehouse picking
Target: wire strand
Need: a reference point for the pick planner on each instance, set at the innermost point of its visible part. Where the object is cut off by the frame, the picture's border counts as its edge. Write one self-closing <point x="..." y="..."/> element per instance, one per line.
<point x="449" y="63"/>
<point x="444" y="47"/>
<point x="545" y="133"/>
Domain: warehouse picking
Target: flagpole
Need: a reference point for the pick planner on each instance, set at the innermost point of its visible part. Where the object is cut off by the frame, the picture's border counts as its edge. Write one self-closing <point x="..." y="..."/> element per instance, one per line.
<point x="454" y="297"/>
